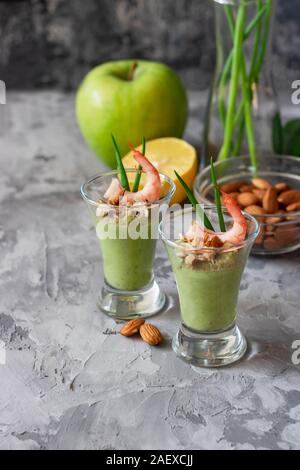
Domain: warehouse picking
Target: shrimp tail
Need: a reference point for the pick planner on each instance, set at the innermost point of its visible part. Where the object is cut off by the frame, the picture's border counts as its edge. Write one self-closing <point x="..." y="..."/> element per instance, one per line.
<point x="239" y="229"/>
<point x="152" y="188"/>
<point x="231" y="205"/>
<point x="142" y="160"/>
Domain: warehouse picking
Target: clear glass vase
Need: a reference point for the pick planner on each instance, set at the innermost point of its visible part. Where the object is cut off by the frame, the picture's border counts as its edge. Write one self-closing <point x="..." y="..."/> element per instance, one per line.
<point x="127" y="236"/>
<point x="242" y="115"/>
<point x="208" y="282"/>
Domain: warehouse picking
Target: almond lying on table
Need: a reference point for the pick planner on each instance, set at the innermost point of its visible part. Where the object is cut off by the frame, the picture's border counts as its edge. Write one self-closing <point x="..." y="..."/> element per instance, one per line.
<point x="260" y="183"/>
<point x="247" y="199"/>
<point x="132" y="327"/>
<point x="270" y="203"/>
<point x="289" y="197"/>
<point x="150" y="334"/>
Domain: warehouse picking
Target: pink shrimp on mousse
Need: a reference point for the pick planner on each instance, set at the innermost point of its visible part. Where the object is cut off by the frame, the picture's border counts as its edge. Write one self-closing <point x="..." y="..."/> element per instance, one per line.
<point x="236" y="234"/>
<point x="149" y="193"/>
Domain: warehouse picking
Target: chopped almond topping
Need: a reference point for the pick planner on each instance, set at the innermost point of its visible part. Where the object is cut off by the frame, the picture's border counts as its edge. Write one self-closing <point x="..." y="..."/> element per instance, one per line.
<point x="213" y="242"/>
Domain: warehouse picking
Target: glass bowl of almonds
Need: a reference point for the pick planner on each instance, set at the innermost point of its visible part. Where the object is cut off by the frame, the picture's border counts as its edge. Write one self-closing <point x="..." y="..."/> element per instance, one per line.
<point x="271" y="194"/>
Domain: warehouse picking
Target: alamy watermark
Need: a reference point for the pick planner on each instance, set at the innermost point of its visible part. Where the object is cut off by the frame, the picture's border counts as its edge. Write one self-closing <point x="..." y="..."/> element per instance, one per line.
<point x="296" y="353"/>
<point x="2" y="92"/>
<point x="295" y="98"/>
<point x="2" y="353"/>
<point x="142" y="221"/>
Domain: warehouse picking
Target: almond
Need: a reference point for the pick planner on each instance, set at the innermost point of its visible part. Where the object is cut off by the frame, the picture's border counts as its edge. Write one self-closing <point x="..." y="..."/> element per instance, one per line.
<point x="260" y="236"/>
<point x="246" y="188"/>
<point x="259" y="193"/>
<point x="247" y="199"/>
<point x="150" y="334"/>
<point x="132" y="327"/>
<point x="280" y="187"/>
<point x="270" y="203"/>
<point x="190" y="259"/>
<point x="214" y="242"/>
<point x="270" y="243"/>
<point x="234" y="195"/>
<point x="274" y="220"/>
<point x="293" y="207"/>
<point x="289" y="197"/>
<point x="260" y="183"/>
<point x="232" y="187"/>
<point x="254" y="210"/>
<point x="285" y="235"/>
<point x="270" y="229"/>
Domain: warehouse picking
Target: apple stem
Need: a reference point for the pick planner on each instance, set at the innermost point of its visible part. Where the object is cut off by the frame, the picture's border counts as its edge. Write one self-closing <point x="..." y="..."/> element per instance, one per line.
<point x="131" y="71"/>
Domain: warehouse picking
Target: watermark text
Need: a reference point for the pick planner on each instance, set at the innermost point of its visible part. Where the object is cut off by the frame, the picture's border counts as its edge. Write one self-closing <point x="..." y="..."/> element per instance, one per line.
<point x="296" y="94"/>
<point x="2" y="92"/>
<point x="296" y="353"/>
<point x="2" y="353"/>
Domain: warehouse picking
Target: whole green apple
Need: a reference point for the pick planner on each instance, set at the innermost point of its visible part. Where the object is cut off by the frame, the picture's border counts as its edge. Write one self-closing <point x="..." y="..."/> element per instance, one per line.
<point x="130" y="99"/>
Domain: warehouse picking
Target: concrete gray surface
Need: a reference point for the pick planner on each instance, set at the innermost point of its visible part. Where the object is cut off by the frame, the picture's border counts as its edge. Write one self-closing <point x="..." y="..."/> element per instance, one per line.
<point x="70" y="380"/>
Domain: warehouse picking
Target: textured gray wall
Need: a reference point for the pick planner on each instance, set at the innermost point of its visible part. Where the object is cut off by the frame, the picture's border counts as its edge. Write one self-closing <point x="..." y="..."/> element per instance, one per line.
<point x="55" y="42"/>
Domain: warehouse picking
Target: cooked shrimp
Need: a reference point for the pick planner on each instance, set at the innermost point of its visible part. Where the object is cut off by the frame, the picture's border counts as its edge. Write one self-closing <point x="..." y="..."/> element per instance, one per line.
<point x="152" y="188"/>
<point x="236" y="234"/>
<point x="114" y="192"/>
<point x="149" y="193"/>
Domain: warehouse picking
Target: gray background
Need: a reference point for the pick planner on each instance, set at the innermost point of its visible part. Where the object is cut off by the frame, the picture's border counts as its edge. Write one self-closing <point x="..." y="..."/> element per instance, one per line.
<point x="53" y="43"/>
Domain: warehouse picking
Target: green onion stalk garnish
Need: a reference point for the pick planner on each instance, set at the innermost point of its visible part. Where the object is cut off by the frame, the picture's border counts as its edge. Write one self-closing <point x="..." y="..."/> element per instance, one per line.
<point x="138" y="173"/>
<point x="195" y="203"/>
<point x="236" y="116"/>
<point x="238" y="35"/>
<point x="121" y="169"/>
<point x="217" y="196"/>
<point x="255" y="23"/>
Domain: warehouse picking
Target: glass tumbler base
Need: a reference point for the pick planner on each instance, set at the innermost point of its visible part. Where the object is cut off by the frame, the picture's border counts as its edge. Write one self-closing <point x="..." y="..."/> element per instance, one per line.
<point x="210" y="349"/>
<point x="126" y="305"/>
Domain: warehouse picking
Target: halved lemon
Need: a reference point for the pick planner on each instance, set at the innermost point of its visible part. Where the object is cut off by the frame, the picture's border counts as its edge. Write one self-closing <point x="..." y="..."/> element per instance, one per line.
<point x="168" y="154"/>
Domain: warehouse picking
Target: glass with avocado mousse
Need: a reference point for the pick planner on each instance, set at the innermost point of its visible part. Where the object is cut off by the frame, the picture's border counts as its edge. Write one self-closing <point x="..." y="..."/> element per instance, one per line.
<point x="208" y="267"/>
<point x="126" y="223"/>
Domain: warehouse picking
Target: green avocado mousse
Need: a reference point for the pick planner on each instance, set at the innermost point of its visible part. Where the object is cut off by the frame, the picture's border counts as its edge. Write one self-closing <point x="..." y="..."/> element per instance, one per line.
<point x="126" y="207"/>
<point x="208" y="249"/>
<point x="208" y="285"/>
<point x="127" y="262"/>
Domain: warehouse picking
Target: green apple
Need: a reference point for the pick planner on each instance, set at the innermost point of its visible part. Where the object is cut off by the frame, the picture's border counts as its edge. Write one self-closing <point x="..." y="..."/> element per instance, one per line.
<point x="129" y="99"/>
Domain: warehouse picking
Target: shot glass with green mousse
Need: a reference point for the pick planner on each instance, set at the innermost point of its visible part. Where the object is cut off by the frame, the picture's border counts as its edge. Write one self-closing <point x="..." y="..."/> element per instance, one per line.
<point x="126" y="207"/>
<point x="208" y="265"/>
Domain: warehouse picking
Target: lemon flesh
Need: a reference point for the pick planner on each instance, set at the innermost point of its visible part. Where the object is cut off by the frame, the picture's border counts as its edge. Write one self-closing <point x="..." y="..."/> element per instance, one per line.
<point x="168" y="154"/>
